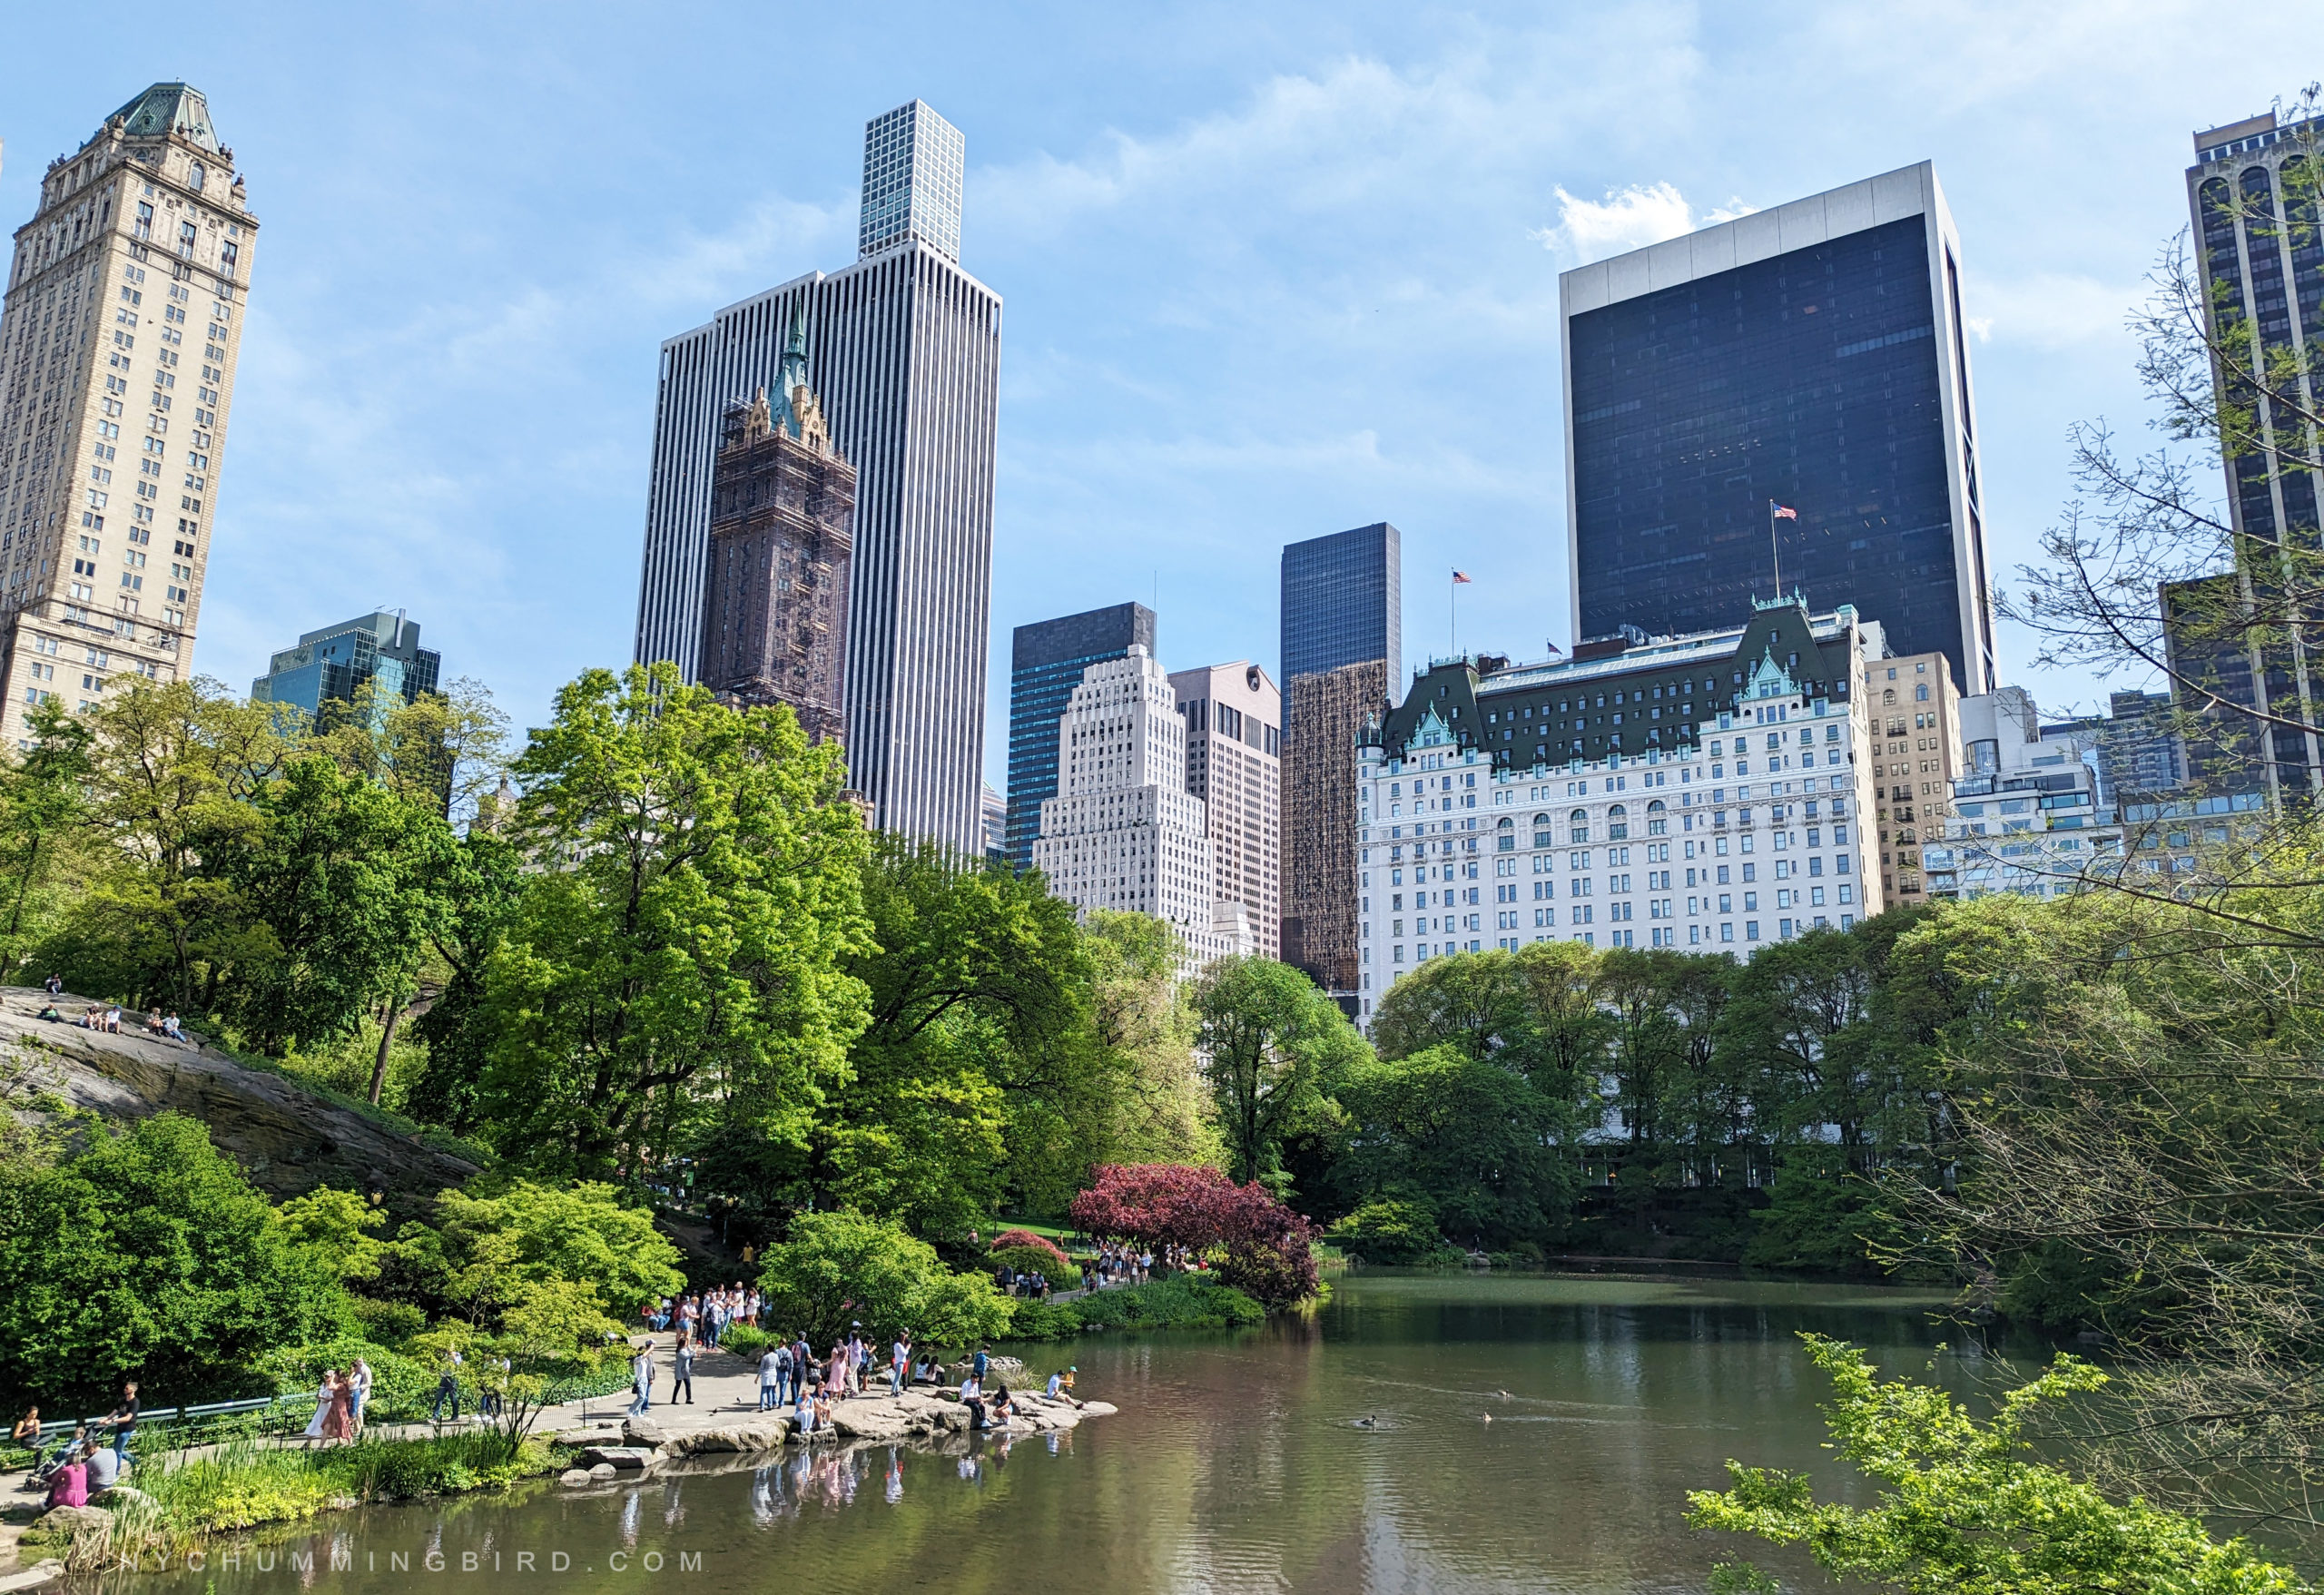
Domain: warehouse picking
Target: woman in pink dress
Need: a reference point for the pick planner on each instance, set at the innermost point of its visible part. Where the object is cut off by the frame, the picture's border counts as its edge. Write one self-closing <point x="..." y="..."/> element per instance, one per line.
<point x="339" y="1418"/>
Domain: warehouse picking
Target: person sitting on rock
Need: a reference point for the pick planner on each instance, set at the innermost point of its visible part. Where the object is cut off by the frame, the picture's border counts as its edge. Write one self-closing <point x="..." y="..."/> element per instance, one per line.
<point x="1004" y="1407"/>
<point x="49" y="1012"/>
<point x="802" y="1411"/>
<point x="153" y="1021"/>
<point x="69" y="1484"/>
<point x="103" y="1466"/>
<point x="823" y="1409"/>
<point x="171" y="1028"/>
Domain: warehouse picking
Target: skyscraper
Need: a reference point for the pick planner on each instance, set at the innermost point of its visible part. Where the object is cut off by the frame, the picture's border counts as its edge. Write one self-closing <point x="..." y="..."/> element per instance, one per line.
<point x="332" y="664"/>
<point x="1344" y="601"/>
<point x="1342" y="654"/>
<point x="2252" y="194"/>
<point x="1234" y="719"/>
<point x="1809" y="357"/>
<point x="132" y="275"/>
<point x="904" y="348"/>
<point x="1047" y="660"/>
<point x="1123" y="832"/>
<point x="782" y="541"/>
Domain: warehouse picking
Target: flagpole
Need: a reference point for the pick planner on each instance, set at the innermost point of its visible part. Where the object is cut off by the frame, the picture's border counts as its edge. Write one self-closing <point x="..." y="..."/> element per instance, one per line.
<point x="1452" y="610"/>
<point x="1775" y="550"/>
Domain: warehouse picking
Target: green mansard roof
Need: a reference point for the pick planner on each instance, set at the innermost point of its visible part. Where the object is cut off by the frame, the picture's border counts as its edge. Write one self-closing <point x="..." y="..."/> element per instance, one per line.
<point x="169" y="108"/>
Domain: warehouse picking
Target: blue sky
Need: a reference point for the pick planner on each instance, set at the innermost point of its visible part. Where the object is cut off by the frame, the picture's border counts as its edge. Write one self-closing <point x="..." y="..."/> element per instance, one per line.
<point x="1270" y="270"/>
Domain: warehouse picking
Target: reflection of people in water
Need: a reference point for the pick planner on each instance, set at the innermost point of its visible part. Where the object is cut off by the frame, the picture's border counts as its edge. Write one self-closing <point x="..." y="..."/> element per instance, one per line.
<point x="895" y="1476"/>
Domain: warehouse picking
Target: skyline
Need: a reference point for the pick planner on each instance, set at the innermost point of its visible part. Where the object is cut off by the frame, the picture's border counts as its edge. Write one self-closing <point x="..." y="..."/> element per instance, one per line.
<point x="1197" y="395"/>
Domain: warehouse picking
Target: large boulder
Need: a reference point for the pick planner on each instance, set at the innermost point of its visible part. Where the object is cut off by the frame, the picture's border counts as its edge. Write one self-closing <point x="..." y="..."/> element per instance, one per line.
<point x="871" y="1420"/>
<point x="646" y="1432"/>
<point x="760" y="1435"/>
<point x="68" y="1525"/>
<point x="625" y="1457"/>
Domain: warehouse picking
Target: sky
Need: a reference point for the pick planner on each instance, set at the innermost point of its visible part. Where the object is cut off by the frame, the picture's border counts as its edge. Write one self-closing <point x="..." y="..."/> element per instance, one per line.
<point x="1269" y="271"/>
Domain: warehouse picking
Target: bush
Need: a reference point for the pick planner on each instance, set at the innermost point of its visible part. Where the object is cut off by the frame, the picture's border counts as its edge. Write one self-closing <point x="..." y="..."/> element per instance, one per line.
<point x="1391" y="1231"/>
<point x="1183" y="1301"/>
<point x="1046" y="1321"/>
<point x="1014" y="1239"/>
<point x="838" y="1269"/>
<point x="388" y="1323"/>
<point x="1062" y="1275"/>
<point x="744" y="1341"/>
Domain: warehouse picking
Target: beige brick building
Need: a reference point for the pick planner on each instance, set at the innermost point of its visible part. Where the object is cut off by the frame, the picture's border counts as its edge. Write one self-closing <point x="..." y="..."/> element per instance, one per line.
<point x="1233" y="717"/>
<point x="1915" y="713"/>
<point x="124" y="312"/>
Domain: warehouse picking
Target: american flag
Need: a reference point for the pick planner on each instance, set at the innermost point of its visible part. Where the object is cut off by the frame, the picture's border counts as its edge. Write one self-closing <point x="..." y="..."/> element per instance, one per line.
<point x="1784" y="512"/>
<point x="1459" y="577"/>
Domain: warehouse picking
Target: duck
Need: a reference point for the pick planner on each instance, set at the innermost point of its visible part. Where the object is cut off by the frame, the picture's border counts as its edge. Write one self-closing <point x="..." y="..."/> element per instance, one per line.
<point x="1367" y="1423"/>
<point x="1505" y="1395"/>
<point x="1488" y="1417"/>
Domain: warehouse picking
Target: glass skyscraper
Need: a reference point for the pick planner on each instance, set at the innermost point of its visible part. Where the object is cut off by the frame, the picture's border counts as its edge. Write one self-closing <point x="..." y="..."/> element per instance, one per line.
<point x="1045" y="660"/>
<point x="331" y="666"/>
<point x="1343" y="602"/>
<point x="1811" y="355"/>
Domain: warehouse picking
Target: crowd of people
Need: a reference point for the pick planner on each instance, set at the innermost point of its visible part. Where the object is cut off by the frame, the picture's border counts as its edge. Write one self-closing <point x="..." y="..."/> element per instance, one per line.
<point x="84" y="1465"/>
<point x="705" y="1316"/>
<point x="105" y="1017"/>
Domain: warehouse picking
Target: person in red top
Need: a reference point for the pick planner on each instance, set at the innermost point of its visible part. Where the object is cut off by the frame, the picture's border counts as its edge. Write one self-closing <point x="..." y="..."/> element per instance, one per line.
<point x="69" y="1485"/>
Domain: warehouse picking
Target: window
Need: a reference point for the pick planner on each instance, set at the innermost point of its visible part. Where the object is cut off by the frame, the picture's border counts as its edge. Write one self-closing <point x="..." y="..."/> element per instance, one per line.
<point x="144" y="228"/>
<point x="1618" y="825"/>
<point x="185" y="240"/>
<point x="1578" y="825"/>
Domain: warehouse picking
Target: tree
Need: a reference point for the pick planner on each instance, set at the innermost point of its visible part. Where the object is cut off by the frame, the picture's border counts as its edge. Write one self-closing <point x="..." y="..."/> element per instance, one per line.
<point x="678" y="958"/>
<point x="148" y="1256"/>
<point x="1141" y="1021"/>
<point x="1961" y="1508"/>
<point x="1272" y="1045"/>
<point x="837" y="1269"/>
<point x="480" y="887"/>
<point x="42" y="806"/>
<point x="1479" y="1002"/>
<point x="1268" y="1248"/>
<point x="1646" y="1046"/>
<point x="1480" y="1145"/>
<point x="485" y="1251"/>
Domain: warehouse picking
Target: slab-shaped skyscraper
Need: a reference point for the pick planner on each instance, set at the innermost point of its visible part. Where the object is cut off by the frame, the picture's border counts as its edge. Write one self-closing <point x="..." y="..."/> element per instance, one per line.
<point x="904" y="347"/>
<point x="1811" y="356"/>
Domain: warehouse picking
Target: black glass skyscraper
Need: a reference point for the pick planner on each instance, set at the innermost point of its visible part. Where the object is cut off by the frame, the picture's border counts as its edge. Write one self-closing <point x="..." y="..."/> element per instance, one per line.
<point x="1045" y="660"/>
<point x="1343" y="602"/>
<point x="1813" y="356"/>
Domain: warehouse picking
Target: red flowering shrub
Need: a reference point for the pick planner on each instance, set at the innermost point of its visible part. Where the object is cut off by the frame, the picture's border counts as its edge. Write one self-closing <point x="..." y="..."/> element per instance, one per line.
<point x="1009" y="1239"/>
<point x="1267" y="1247"/>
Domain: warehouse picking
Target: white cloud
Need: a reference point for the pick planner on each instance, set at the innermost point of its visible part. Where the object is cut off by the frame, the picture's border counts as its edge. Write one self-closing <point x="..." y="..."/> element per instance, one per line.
<point x="1638" y="215"/>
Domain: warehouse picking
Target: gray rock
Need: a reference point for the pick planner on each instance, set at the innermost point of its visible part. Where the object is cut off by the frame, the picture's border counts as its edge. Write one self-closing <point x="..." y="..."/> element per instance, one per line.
<point x="625" y="1457"/>
<point x="870" y="1420"/>
<point x="644" y="1431"/>
<point x="603" y="1470"/>
<point x="32" y="1576"/>
<point x="572" y="1476"/>
<point x="761" y="1435"/>
<point x="66" y="1525"/>
<point x="118" y="1496"/>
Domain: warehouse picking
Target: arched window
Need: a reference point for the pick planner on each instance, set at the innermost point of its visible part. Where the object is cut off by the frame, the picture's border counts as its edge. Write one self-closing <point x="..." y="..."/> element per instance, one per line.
<point x="1542" y="835"/>
<point x="1618" y="823"/>
<point x="1888" y="697"/>
<point x="1578" y="825"/>
<point x="1920" y="693"/>
<point x="194" y="176"/>
<point x="1657" y="818"/>
<point x="1507" y="840"/>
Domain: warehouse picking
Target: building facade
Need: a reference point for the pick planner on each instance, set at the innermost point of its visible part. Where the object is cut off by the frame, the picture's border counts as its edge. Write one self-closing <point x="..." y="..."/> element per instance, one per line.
<point x="333" y="664"/>
<point x="2030" y="814"/>
<point x="1344" y="601"/>
<point x="1710" y="792"/>
<point x="117" y="347"/>
<point x="1047" y="660"/>
<point x="1123" y="832"/>
<point x="905" y="352"/>
<point x="1233" y="718"/>
<point x="782" y="545"/>
<point x="1915" y="712"/>
<point x="1813" y="356"/>
<point x="2252" y="196"/>
<point x="1331" y="709"/>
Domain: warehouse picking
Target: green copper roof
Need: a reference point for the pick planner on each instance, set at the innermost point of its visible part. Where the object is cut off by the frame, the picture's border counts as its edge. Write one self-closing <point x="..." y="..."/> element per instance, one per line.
<point x="169" y="107"/>
<point x="793" y="370"/>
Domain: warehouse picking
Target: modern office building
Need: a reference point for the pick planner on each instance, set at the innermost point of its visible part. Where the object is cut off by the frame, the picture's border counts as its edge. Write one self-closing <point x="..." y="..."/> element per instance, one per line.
<point x="1344" y="601"/>
<point x="125" y="299"/>
<point x="994" y="812"/>
<point x="781" y="544"/>
<point x="1342" y="654"/>
<point x="2029" y="814"/>
<point x="1047" y="660"/>
<point x="1123" y="832"/>
<point x="2255" y="230"/>
<point x="1711" y="790"/>
<point x="333" y="664"/>
<point x="1915" y="711"/>
<point x="904" y="348"/>
<point x="1810" y="357"/>
<point x="1331" y="708"/>
<point x="1234" y="719"/>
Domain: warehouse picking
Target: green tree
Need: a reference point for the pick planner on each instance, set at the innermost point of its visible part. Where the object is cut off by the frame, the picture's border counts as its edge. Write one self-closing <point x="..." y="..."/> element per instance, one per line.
<point x="483" y="1253"/>
<point x="1140" y="1018"/>
<point x="44" y="798"/>
<point x="1480" y="1002"/>
<point x="1479" y="1144"/>
<point x="678" y="957"/>
<point x="839" y="1269"/>
<point x="148" y="1256"/>
<point x="335" y="1228"/>
<point x="1273" y="1046"/>
<point x="480" y="886"/>
<point x="1961" y="1508"/>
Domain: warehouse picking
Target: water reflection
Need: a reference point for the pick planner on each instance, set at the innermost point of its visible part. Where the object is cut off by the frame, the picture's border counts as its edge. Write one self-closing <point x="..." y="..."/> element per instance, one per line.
<point x="1237" y="1464"/>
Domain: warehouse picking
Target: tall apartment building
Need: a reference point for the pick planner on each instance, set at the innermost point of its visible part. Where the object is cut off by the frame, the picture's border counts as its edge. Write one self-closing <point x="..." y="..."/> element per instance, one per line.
<point x="125" y="299"/>
<point x="1047" y="660"/>
<point x="1233" y="718"/>
<point x="1813" y="356"/>
<point x="1915" y="712"/>
<point x="334" y="664"/>
<point x="2252" y="197"/>
<point x="1342" y="654"/>
<point x="1123" y="832"/>
<point x="1712" y="790"/>
<point x="1330" y="708"/>
<point x="781" y="544"/>
<point x="904" y="347"/>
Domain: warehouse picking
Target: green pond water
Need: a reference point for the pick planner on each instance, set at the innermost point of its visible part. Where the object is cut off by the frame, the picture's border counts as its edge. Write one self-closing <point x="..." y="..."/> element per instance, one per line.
<point x="1235" y="1464"/>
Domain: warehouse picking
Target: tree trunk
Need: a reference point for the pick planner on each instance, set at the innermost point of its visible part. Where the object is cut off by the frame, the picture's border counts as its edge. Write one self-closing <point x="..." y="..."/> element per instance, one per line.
<point x="387" y="1038"/>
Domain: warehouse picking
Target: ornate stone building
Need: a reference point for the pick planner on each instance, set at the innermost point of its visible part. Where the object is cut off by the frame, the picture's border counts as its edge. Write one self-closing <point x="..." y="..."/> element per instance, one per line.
<point x="782" y="545"/>
<point x="125" y="314"/>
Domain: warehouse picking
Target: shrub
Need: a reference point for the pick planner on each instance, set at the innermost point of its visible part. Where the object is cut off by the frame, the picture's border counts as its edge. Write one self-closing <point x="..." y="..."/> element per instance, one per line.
<point x="1270" y="1247"/>
<point x="839" y="1267"/>
<point x="1276" y="1276"/>
<point x="1016" y="1239"/>
<point x="1390" y="1231"/>
<point x="388" y="1323"/>
<point x="744" y="1341"/>
<point x="1184" y="1301"/>
<point x="1046" y="1321"/>
<point x="1062" y="1275"/>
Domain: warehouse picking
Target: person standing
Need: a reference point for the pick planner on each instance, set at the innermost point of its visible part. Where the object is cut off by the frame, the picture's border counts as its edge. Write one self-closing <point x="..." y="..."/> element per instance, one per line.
<point x="361" y="1374"/>
<point x="681" y="1372"/>
<point x="769" y="1379"/>
<point x="979" y="1365"/>
<point x="900" y="1365"/>
<point x="784" y="1363"/>
<point x="641" y="1374"/>
<point x="122" y="1422"/>
<point x="339" y="1418"/>
<point x="447" y="1387"/>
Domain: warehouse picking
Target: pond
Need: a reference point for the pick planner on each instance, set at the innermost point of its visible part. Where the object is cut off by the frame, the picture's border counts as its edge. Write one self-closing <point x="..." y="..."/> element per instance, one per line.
<point x="1235" y="1464"/>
